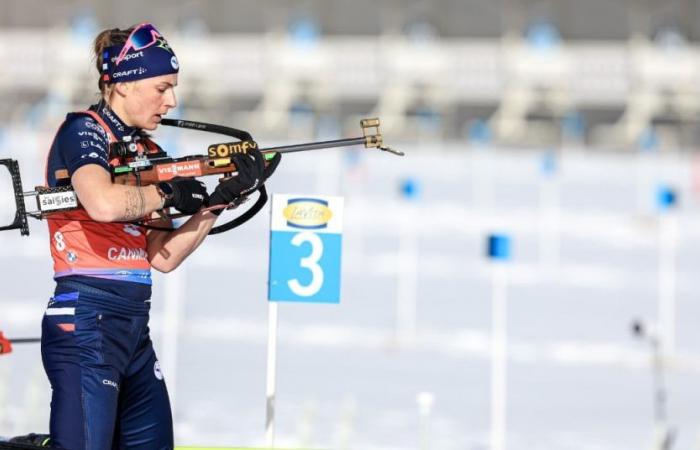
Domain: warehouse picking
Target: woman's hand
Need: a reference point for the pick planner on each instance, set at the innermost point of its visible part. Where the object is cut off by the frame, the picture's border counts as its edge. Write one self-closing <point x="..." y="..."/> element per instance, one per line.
<point x="187" y="195"/>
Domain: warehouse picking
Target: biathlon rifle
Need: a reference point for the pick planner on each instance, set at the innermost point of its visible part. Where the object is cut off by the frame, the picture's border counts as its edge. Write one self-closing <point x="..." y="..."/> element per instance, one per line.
<point x="140" y="167"/>
<point x="6" y="343"/>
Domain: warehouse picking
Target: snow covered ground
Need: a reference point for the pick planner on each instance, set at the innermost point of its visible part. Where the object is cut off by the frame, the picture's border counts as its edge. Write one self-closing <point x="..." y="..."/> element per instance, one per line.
<point x="585" y="265"/>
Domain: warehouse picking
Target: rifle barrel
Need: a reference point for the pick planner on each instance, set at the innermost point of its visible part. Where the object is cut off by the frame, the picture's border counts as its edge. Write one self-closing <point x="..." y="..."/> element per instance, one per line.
<point x="316" y="145"/>
<point x="26" y="341"/>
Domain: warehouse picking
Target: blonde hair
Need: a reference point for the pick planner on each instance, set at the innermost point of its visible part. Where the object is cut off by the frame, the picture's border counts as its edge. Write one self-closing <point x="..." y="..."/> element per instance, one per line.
<point x="108" y="38"/>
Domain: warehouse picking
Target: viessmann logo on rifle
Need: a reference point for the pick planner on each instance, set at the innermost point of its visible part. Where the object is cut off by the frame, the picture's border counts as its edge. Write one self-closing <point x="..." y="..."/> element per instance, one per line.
<point x="228" y="149"/>
<point x="307" y="213"/>
<point x="179" y="169"/>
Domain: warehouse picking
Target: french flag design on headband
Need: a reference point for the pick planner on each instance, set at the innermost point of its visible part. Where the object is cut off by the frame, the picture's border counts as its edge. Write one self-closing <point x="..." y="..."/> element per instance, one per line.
<point x="145" y="54"/>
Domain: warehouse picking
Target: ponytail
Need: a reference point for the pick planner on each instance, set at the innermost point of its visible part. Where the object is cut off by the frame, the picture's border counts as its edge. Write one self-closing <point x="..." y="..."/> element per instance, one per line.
<point x="105" y="39"/>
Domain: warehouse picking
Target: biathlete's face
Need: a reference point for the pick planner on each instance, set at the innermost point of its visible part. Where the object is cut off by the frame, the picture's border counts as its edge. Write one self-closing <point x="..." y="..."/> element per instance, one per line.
<point x="146" y="101"/>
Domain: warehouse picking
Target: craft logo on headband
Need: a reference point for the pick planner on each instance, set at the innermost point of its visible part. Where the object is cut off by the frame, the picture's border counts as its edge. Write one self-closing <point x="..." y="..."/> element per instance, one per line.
<point x="145" y="54"/>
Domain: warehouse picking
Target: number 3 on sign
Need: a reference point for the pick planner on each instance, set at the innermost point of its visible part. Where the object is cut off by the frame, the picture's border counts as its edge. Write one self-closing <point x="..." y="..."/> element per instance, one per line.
<point x="305" y="249"/>
<point x="309" y="262"/>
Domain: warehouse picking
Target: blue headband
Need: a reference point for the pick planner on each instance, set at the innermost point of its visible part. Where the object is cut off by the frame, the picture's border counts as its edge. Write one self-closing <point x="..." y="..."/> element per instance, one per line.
<point x="148" y="55"/>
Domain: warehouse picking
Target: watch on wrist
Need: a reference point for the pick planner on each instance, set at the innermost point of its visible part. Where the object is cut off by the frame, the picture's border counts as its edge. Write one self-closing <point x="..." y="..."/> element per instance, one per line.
<point x="166" y="192"/>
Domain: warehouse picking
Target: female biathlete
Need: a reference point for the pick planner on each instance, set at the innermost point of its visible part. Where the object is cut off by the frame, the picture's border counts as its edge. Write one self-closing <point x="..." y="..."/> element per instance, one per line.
<point x="108" y="391"/>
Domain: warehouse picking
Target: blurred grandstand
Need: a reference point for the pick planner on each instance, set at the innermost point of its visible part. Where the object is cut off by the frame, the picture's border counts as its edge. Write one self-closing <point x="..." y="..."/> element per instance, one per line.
<point x="610" y="73"/>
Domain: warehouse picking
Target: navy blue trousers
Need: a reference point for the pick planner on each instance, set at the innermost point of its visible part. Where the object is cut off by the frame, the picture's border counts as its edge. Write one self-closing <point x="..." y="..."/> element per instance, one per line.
<point x="108" y="392"/>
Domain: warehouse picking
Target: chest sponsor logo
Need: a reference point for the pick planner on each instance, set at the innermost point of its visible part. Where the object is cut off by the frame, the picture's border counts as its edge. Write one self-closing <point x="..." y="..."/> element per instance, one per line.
<point x="94" y="155"/>
<point x="90" y="134"/>
<point x="179" y="169"/>
<point x="132" y="230"/>
<point x="88" y="144"/>
<point x="93" y="126"/>
<point x="126" y="254"/>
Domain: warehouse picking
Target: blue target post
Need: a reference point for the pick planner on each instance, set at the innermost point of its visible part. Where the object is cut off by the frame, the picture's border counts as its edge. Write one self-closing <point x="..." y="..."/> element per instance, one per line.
<point x="407" y="262"/>
<point x="498" y="250"/>
<point x="498" y="247"/>
<point x="666" y="198"/>
<point x="667" y="203"/>
<point x="410" y="189"/>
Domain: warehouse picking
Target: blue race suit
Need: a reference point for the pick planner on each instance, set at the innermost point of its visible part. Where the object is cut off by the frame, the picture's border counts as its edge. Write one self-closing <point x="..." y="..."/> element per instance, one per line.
<point x="107" y="388"/>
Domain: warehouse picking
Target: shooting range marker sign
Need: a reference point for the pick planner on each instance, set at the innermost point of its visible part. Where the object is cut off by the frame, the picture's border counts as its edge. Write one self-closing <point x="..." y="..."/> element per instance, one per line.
<point x="305" y="248"/>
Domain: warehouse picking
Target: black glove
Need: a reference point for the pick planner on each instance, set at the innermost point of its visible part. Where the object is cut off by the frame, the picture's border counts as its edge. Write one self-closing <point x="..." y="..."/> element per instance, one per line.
<point x="250" y="175"/>
<point x="186" y="194"/>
